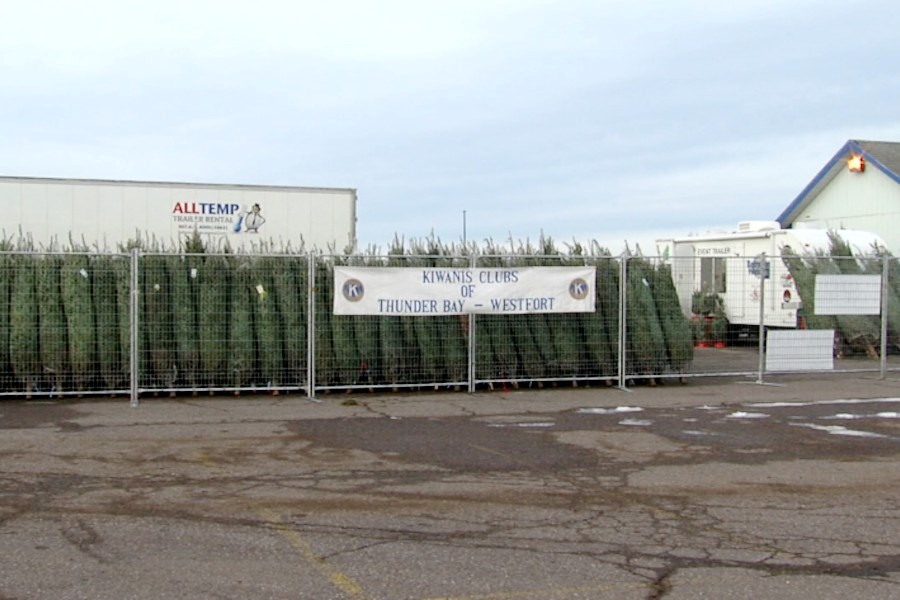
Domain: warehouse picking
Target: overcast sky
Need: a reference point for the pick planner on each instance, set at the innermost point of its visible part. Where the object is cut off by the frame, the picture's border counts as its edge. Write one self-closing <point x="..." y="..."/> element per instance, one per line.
<point x="597" y="120"/>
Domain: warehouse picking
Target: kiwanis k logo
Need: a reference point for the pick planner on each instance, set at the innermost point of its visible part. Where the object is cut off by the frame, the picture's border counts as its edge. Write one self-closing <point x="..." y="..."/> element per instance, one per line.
<point x="353" y="290"/>
<point x="579" y="289"/>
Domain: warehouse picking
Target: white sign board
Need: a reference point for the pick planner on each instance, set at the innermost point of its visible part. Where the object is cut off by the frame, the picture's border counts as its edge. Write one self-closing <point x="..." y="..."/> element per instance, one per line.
<point x="410" y="291"/>
<point x="800" y="350"/>
<point x="848" y="294"/>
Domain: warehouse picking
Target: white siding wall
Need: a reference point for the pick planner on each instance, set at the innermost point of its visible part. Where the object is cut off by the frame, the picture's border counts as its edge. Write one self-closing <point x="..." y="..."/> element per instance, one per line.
<point x="868" y="201"/>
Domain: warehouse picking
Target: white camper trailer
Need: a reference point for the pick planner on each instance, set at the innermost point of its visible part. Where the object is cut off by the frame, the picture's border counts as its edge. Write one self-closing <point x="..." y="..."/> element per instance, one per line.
<point x="731" y="265"/>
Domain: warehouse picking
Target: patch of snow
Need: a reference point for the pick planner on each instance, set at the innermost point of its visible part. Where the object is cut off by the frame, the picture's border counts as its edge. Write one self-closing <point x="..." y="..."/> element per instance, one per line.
<point x="839" y="430"/>
<point x="881" y="415"/>
<point x="537" y="424"/>
<point x="609" y="411"/>
<point x="638" y="422"/>
<point x="843" y="401"/>
<point x="746" y="415"/>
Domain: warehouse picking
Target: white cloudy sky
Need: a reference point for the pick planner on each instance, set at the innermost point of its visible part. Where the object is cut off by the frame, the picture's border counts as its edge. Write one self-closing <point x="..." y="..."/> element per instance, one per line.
<point x="607" y="120"/>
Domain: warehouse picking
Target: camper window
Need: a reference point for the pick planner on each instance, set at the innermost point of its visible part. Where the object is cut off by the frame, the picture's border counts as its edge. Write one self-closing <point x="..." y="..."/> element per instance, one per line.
<point x="712" y="275"/>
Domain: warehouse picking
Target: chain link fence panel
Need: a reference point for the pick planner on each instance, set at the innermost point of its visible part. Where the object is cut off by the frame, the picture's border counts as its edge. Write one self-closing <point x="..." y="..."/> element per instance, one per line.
<point x="80" y="323"/>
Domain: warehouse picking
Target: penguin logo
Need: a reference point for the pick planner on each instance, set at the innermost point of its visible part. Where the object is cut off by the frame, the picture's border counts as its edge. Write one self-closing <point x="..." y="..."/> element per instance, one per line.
<point x="579" y="289"/>
<point x="253" y="220"/>
<point x="353" y="290"/>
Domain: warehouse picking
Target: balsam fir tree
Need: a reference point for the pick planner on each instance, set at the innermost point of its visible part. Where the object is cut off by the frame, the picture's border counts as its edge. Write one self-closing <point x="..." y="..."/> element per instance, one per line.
<point x="241" y="337"/>
<point x="269" y="330"/>
<point x="54" y="347"/>
<point x="566" y="338"/>
<point x="288" y="279"/>
<point x="82" y="333"/>
<point x="390" y="331"/>
<point x="861" y="331"/>
<point x="343" y="340"/>
<point x="109" y="348"/>
<point x="326" y="360"/>
<point x="7" y="272"/>
<point x="675" y="326"/>
<point x="157" y="321"/>
<point x="803" y="271"/>
<point x="646" y="342"/>
<point x="365" y="330"/>
<point x="24" y="338"/>
<point x="213" y="319"/>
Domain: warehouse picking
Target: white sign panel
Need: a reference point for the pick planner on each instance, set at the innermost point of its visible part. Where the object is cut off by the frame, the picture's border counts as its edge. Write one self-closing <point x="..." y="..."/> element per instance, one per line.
<point x="410" y="291"/>
<point x="800" y="350"/>
<point x="848" y="294"/>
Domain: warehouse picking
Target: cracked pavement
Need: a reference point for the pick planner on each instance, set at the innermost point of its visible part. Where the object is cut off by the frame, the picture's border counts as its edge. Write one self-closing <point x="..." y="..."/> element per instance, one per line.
<point x="707" y="490"/>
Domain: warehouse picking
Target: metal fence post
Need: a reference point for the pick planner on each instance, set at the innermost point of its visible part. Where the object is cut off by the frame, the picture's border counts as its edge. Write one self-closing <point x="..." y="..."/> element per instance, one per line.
<point x="134" y="322"/>
<point x="885" y="299"/>
<point x="311" y="327"/>
<point x="472" y="332"/>
<point x="623" y="315"/>
<point x="763" y="271"/>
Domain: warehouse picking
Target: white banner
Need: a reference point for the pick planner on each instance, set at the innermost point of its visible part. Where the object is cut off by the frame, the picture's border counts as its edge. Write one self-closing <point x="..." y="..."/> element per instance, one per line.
<point x="411" y="291"/>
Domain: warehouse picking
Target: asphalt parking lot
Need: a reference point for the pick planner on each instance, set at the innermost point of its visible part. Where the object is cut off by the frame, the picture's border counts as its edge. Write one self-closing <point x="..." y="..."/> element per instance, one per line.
<point x="716" y="488"/>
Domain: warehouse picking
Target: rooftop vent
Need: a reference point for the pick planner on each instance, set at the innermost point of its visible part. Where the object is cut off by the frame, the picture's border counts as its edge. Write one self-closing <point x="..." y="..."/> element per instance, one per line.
<point x="748" y="226"/>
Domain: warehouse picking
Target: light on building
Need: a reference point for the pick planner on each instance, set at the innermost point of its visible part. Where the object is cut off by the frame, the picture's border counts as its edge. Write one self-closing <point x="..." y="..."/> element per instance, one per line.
<point x="856" y="164"/>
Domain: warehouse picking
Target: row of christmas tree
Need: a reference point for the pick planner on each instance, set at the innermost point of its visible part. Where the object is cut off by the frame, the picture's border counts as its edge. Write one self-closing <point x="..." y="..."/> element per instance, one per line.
<point x="234" y="321"/>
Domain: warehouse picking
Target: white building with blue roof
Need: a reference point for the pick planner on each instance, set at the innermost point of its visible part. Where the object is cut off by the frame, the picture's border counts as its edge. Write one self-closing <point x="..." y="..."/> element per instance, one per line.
<point x="859" y="188"/>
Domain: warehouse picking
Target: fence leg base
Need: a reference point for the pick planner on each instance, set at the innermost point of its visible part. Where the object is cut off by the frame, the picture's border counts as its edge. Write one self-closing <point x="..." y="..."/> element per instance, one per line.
<point x="761" y="382"/>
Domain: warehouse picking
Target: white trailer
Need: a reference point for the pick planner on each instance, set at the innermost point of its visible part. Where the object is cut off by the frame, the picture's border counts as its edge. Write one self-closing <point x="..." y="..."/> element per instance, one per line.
<point x="729" y="266"/>
<point x="106" y="214"/>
